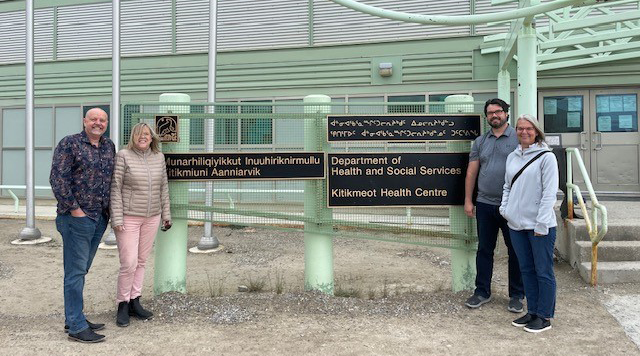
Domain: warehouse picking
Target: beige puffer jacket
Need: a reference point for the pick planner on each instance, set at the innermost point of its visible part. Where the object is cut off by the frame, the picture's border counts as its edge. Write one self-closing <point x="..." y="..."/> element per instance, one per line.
<point x="139" y="186"/>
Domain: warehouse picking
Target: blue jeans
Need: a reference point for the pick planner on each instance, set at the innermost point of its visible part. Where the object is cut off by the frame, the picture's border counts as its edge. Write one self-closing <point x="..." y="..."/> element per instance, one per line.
<point x="535" y="254"/>
<point x="489" y="221"/>
<point x="80" y="240"/>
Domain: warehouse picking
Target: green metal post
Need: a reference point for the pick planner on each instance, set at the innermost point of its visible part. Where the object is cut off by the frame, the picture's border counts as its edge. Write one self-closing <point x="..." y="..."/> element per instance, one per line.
<point x="504" y="87"/>
<point x="527" y="71"/>
<point x="463" y="256"/>
<point x="318" y="239"/>
<point x="170" y="269"/>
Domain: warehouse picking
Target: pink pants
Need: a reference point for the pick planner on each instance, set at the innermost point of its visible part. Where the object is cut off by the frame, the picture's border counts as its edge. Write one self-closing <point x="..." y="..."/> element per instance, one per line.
<point x="134" y="246"/>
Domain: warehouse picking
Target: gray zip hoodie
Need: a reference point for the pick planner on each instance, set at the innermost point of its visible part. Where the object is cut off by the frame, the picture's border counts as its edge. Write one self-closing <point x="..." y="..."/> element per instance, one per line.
<point x="528" y="204"/>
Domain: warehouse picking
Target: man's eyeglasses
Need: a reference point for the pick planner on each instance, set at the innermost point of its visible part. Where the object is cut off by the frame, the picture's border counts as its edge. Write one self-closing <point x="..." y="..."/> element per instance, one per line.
<point x="497" y="112"/>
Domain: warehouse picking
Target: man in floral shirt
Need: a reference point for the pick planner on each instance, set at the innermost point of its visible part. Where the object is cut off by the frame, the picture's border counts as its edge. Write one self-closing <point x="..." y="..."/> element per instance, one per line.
<point x="81" y="180"/>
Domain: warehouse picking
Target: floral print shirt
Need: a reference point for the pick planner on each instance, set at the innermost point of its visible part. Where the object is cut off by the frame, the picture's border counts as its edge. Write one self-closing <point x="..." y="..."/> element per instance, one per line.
<point x="81" y="174"/>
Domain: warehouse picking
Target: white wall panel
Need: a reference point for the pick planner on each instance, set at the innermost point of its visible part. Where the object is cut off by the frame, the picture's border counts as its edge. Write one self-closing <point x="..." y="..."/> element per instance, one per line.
<point x="262" y="24"/>
<point x="12" y="41"/>
<point x="192" y="26"/>
<point x="484" y="7"/>
<point x="335" y="24"/>
<point x="84" y="31"/>
<point x="145" y="27"/>
<point x="13" y="38"/>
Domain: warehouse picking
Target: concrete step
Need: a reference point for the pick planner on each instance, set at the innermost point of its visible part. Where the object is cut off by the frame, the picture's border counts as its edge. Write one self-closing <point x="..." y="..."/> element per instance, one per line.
<point x="612" y="272"/>
<point x="615" y="232"/>
<point x="610" y="251"/>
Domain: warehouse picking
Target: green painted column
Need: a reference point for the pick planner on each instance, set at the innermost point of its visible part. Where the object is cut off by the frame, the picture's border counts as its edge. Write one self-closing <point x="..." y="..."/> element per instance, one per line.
<point x="504" y="86"/>
<point x="170" y="267"/>
<point x="527" y="71"/>
<point x="318" y="235"/>
<point x="463" y="255"/>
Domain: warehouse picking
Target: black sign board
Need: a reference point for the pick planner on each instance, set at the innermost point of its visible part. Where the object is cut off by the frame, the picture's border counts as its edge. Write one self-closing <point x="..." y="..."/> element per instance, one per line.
<point x="167" y="128"/>
<point x="230" y="166"/>
<point x="396" y="179"/>
<point x="455" y="127"/>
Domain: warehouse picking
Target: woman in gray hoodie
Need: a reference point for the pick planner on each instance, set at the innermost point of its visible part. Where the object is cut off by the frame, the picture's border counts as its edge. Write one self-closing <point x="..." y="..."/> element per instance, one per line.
<point x="528" y="198"/>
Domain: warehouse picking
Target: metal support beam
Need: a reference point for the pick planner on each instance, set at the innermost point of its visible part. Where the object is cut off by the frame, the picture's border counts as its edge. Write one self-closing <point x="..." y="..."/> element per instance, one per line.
<point x="527" y="71"/>
<point x="463" y="19"/>
<point x="208" y="242"/>
<point x="30" y="232"/>
<point x="504" y="86"/>
<point x="109" y="242"/>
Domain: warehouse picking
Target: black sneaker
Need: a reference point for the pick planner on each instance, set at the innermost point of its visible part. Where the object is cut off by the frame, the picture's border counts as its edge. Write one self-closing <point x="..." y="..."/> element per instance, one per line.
<point x="524" y="320"/>
<point x="94" y="327"/>
<point x="538" y="325"/>
<point x="515" y="305"/>
<point x="86" y="336"/>
<point x="475" y="301"/>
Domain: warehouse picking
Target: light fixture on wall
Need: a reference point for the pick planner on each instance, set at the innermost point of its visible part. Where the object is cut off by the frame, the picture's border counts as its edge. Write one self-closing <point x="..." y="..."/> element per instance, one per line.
<point x="385" y="69"/>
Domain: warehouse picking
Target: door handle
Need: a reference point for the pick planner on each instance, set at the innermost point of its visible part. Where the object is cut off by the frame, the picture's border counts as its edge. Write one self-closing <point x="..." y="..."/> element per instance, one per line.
<point x="583" y="139"/>
<point x="598" y="142"/>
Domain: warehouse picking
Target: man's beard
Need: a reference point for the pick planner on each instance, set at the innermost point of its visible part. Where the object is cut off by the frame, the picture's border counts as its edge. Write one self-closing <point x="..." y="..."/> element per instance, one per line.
<point x="498" y="124"/>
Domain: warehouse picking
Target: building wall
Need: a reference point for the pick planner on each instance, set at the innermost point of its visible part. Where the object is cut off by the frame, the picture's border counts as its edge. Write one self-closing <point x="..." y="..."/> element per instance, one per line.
<point x="268" y="50"/>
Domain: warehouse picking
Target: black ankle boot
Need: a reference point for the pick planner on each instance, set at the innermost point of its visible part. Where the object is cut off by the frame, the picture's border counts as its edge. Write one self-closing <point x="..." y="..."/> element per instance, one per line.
<point x="136" y="309"/>
<point x="122" y="319"/>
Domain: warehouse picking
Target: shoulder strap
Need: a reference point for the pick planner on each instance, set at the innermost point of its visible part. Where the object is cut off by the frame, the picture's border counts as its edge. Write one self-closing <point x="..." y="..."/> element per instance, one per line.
<point x="527" y="165"/>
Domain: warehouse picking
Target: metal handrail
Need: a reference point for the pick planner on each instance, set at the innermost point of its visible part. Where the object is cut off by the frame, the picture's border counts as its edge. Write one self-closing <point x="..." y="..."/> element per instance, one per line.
<point x="596" y="231"/>
<point x="16" y="201"/>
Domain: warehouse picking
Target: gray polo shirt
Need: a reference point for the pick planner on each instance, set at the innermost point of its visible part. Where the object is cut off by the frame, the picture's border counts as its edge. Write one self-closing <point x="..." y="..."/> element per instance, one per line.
<point x="492" y="153"/>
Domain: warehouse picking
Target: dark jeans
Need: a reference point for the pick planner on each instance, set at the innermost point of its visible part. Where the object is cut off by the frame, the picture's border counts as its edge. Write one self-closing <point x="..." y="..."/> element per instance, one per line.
<point x="80" y="240"/>
<point x="535" y="254"/>
<point x="489" y="221"/>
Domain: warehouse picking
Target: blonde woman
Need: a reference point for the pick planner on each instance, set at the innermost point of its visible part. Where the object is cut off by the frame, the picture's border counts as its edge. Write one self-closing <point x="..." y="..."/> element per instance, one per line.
<point x="139" y="203"/>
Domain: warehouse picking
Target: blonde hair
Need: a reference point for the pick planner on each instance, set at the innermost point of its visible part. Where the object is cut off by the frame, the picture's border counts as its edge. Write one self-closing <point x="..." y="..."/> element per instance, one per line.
<point x="137" y="129"/>
<point x="532" y="119"/>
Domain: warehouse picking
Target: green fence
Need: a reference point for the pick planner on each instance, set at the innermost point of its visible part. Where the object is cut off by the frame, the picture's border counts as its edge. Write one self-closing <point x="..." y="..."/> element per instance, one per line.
<point x="279" y="204"/>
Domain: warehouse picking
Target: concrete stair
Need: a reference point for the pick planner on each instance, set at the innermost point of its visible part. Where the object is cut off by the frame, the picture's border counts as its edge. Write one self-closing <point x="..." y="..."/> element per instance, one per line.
<point x="612" y="272"/>
<point x="618" y="252"/>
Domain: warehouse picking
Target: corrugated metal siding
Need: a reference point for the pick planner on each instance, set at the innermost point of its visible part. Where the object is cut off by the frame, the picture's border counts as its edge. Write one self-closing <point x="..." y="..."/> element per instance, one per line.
<point x="484" y="7"/>
<point x="437" y="67"/>
<point x="350" y="71"/>
<point x="192" y="26"/>
<point x="335" y="24"/>
<point x="12" y="41"/>
<point x="43" y="34"/>
<point x="98" y="82"/>
<point x="145" y="27"/>
<point x="13" y="38"/>
<point x="84" y="31"/>
<point x="262" y="24"/>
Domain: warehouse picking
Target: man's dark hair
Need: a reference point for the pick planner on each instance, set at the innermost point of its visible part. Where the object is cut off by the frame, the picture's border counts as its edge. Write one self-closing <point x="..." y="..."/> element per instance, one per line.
<point x="496" y="101"/>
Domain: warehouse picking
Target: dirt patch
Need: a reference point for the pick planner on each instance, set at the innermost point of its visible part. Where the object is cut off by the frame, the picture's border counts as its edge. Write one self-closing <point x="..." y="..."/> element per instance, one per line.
<point x="404" y="304"/>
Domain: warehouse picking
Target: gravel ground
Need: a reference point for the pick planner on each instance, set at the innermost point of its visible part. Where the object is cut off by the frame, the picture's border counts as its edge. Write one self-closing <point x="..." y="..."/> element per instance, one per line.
<point x="404" y="304"/>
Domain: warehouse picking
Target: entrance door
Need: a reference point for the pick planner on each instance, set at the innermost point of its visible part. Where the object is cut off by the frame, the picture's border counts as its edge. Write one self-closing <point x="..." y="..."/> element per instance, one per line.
<point x="615" y="140"/>
<point x="603" y="125"/>
<point x="567" y="114"/>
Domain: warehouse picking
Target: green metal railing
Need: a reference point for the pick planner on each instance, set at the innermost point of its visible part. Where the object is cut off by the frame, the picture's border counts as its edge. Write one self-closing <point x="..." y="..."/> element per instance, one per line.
<point x="595" y="229"/>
